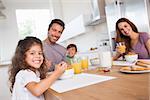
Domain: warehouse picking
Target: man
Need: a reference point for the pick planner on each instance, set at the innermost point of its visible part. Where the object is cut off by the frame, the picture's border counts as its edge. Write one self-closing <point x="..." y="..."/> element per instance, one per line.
<point x="54" y="52"/>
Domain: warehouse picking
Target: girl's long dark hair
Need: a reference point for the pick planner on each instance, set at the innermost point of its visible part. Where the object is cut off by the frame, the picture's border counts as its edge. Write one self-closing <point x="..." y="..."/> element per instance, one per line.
<point x="18" y="60"/>
<point x="120" y="37"/>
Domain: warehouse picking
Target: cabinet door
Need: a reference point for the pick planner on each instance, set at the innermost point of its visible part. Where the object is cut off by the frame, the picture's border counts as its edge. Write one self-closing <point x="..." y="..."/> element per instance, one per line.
<point x="114" y="11"/>
<point x="137" y="13"/>
<point x="74" y="28"/>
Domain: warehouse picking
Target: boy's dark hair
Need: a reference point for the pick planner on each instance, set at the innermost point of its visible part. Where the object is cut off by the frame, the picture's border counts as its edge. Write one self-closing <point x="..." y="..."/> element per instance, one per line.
<point x="58" y="21"/>
<point x="72" y="45"/>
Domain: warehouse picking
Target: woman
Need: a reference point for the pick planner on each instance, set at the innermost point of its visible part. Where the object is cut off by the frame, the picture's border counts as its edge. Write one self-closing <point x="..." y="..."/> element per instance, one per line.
<point x="137" y="42"/>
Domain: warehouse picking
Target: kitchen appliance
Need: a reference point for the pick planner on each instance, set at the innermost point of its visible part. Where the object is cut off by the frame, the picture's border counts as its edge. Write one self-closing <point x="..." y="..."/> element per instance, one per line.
<point x="136" y="11"/>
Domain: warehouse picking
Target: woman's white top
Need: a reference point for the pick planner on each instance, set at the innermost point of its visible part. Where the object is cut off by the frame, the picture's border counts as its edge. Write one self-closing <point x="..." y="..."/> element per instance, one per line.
<point x="20" y="92"/>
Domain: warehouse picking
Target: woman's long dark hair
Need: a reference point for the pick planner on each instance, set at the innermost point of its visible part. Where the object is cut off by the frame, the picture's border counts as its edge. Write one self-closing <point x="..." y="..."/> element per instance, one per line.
<point x="122" y="38"/>
<point x="18" y="60"/>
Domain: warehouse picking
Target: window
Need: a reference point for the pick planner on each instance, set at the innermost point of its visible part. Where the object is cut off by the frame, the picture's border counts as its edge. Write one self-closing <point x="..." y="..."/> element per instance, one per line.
<point x="33" y="22"/>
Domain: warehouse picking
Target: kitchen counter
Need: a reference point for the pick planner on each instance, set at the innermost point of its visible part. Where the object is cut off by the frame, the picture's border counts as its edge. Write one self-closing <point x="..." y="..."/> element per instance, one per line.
<point x="5" y="63"/>
<point x="124" y="87"/>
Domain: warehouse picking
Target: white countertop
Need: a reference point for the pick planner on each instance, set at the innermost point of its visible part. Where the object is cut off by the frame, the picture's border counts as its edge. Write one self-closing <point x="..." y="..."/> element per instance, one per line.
<point x="5" y="62"/>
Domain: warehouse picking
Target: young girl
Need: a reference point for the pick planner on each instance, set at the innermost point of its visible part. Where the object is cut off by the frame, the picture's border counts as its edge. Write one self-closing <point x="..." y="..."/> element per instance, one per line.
<point x="28" y="71"/>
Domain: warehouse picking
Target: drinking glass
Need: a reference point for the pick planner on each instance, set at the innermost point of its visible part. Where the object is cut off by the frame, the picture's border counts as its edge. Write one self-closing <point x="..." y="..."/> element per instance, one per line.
<point x="76" y="65"/>
<point x="121" y="47"/>
<point x="84" y="62"/>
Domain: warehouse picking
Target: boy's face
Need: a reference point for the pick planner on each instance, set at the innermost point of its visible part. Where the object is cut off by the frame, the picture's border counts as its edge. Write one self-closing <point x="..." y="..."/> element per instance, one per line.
<point x="34" y="56"/>
<point x="71" y="51"/>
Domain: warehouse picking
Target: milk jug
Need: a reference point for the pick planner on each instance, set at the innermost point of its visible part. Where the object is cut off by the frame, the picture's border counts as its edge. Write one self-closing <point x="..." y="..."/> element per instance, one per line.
<point x="105" y="57"/>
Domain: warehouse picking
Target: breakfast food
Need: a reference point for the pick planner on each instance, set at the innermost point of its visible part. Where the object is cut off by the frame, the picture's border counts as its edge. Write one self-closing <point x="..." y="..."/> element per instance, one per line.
<point x="131" y="53"/>
<point x="138" y="69"/>
<point x="67" y="74"/>
<point x="131" y="57"/>
<point x="143" y="63"/>
<point x="126" y="68"/>
<point x="135" y="68"/>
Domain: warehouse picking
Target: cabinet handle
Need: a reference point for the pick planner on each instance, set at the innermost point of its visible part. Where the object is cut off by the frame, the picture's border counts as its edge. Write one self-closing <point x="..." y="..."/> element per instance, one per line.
<point x="116" y="2"/>
<point x="119" y="2"/>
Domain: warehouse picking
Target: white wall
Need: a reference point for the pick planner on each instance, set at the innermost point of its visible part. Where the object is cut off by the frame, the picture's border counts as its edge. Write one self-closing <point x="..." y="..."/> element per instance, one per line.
<point x="0" y="43"/>
<point x="148" y="11"/>
<point x="72" y="9"/>
<point x="90" y="39"/>
<point x="8" y="27"/>
<point x="57" y="8"/>
<point x="8" y="34"/>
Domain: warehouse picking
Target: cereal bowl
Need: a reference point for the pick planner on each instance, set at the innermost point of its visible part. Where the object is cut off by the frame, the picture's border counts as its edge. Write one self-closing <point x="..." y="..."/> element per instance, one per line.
<point x="67" y="74"/>
<point x="131" y="58"/>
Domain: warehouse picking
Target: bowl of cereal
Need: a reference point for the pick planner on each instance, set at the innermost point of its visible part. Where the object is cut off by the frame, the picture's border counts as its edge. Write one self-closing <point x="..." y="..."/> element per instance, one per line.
<point x="131" y="57"/>
<point x="67" y="74"/>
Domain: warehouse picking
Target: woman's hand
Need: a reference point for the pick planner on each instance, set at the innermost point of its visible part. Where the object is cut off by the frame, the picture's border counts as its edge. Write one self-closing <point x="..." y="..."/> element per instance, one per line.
<point x="120" y="48"/>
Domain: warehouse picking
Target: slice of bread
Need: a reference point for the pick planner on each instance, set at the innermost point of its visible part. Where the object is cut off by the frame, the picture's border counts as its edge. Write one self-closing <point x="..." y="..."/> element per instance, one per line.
<point x="126" y="68"/>
<point x="143" y="63"/>
<point x="135" y="68"/>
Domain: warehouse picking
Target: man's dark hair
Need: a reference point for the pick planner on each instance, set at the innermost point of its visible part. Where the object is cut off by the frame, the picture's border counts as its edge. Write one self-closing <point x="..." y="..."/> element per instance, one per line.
<point x="58" y="21"/>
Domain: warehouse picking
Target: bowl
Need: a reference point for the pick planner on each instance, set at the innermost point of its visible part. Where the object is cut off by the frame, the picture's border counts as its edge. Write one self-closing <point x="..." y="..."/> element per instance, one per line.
<point x="67" y="74"/>
<point x="131" y="58"/>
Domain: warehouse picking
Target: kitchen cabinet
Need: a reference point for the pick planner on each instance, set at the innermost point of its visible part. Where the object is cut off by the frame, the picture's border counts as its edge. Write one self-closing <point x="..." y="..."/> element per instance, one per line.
<point x="115" y="9"/>
<point x="74" y="28"/>
<point x="130" y="9"/>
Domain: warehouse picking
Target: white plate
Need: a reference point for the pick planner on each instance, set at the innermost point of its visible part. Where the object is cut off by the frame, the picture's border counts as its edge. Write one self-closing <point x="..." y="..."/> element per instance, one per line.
<point x="127" y="71"/>
<point x="144" y="60"/>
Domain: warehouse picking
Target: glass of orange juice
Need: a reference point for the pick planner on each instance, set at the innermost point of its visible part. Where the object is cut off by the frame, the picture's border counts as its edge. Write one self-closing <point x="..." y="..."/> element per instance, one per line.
<point x="84" y="62"/>
<point x="121" y="47"/>
<point x="76" y="65"/>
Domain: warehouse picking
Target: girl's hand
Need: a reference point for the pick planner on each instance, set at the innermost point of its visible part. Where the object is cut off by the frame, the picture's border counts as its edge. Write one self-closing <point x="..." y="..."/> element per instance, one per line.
<point x="61" y="67"/>
<point x="48" y="63"/>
